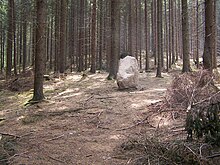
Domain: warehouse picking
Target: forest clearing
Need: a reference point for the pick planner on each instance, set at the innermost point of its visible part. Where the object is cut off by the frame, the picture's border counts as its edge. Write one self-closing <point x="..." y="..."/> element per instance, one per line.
<point x="85" y="119"/>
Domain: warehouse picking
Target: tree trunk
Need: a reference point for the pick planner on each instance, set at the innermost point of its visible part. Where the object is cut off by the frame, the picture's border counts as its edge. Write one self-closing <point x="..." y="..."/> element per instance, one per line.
<point x="81" y="36"/>
<point x="57" y="36"/>
<point x="209" y="48"/>
<point x="93" y="44"/>
<point x="147" y="63"/>
<point x="14" y="33"/>
<point x="185" y="36"/>
<point x="166" y="37"/>
<point x="40" y="50"/>
<point x="114" y="39"/>
<point x="63" y="16"/>
<point x="9" y="39"/>
<point x="159" y="37"/>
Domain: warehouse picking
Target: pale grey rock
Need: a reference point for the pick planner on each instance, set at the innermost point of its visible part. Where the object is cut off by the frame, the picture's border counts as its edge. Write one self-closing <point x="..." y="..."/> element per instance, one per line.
<point x="127" y="76"/>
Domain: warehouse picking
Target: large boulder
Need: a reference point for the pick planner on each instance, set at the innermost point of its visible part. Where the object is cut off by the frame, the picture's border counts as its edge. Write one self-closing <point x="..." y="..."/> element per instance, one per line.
<point x="127" y="76"/>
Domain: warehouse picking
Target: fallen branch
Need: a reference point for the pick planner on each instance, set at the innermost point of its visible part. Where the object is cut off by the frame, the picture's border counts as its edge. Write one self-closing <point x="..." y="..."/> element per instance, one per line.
<point x="190" y="150"/>
<point x="55" y="138"/>
<point x="134" y="125"/>
<point x="213" y="156"/>
<point x="8" y="134"/>
<point x="58" y="160"/>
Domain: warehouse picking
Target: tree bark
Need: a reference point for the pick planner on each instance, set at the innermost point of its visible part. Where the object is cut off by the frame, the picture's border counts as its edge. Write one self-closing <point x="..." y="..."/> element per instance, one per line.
<point x="209" y="48"/>
<point x="63" y="15"/>
<point x="185" y="36"/>
<point x="159" y="37"/>
<point x="93" y="37"/>
<point x="114" y="39"/>
<point x="147" y="67"/>
<point x="9" y="39"/>
<point x="40" y="50"/>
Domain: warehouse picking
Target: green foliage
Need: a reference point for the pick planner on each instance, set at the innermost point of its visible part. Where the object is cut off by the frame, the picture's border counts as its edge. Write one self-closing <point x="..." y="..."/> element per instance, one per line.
<point x="205" y="122"/>
<point x="3" y="11"/>
<point x="32" y="119"/>
<point x="7" y="148"/>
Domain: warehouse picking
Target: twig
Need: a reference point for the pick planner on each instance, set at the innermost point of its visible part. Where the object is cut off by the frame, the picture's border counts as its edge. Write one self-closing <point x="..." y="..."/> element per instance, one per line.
<point x="200" y="149"/>
<point x="55" y="138"/>
<point x="190" y="150"/>
<point x="58" y="160"/>
<point x="15" y="155"/>
<point x="134" y="125"/>
<point x="107" y="97"/>
<point x="213" y="156"/>
<point x="8" y="134"/>
<point x="209" y="98"/>
<point x="27" y="134"/>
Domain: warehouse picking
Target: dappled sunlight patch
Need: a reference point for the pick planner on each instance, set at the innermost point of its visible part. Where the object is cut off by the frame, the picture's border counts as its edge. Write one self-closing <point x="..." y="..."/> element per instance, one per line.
<point x="72" y="95"/>
<point x="67" y="91"/>
<point x="136" y="105"/>
<point x="151" y="101"/>
<point x="96" y="85"/>
<point x="62" y="107"/>
<point x="116" y="137"/>
<point x="74" y="78"/>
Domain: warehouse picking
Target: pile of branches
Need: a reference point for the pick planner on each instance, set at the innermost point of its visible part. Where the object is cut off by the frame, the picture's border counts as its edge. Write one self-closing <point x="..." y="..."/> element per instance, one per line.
<point x="151" y="151"/>
<point x="197" y="96"/>
<point x="191" y="89"/>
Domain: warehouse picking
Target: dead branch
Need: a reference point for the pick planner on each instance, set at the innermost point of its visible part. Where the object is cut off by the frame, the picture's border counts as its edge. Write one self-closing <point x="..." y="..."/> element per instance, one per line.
<point x="16" y="155"/>
<point x="136" y="124"/>
<point x="58" y="160"/>
<point x="190" y="150"/>
<point x="8" y="134"/>
<point x="213" y="156"/>
<point x="206" y="99"/>
<point x="55" y="138"/>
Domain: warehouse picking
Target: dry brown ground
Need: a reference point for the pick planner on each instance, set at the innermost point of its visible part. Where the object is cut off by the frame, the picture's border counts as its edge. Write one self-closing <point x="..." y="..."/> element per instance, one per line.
<point x="83" y="120"/>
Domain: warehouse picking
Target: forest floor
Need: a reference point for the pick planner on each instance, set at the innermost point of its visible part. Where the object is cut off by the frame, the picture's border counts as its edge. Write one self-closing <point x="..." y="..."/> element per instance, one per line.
<point x="84" y="120"/>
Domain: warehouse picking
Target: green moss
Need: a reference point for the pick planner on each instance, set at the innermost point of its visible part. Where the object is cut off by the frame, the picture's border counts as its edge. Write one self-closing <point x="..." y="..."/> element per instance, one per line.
<point x="32" y="119"/>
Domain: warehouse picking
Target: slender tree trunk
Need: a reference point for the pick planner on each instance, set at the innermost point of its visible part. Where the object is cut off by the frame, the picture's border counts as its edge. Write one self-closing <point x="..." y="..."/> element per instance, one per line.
<point x="147" y="63"/>
<point x="159" y="37"/>
<point x="185" y="36"/>
<point x="63" y="21"/>
<point x="114" y="38"/>
<point x="81" y="36"/>
<point x="9" y="39"/>
<point x="166" y="37"/>
<point x="130" y="25"/>
<point x="93" y="44"/>
<point x="14" y="33"/>
<point x="209" y="48"/>
<point x="170" y="35"/>
<point x="101" y="34"/>
<point x="57" y="37"/>
<point x="197" y="33"/>
<point x="140" y="33"/>
<point x="172" y="32"/>
<point x="24" y="43"/>
<point x="40" y="50"/>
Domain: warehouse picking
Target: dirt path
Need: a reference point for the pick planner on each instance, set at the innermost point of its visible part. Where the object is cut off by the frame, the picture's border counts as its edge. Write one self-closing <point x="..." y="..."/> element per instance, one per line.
<point x="83" y="120"/>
